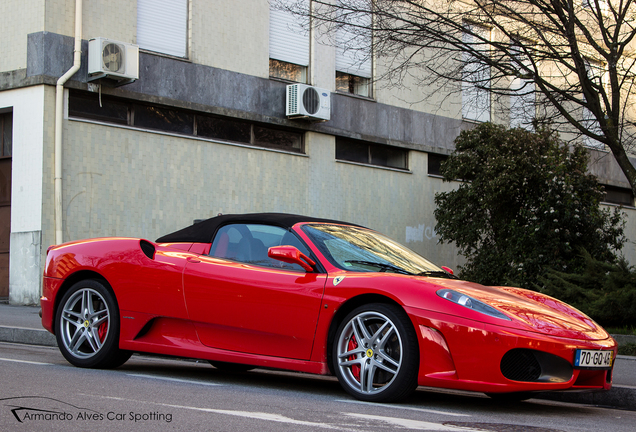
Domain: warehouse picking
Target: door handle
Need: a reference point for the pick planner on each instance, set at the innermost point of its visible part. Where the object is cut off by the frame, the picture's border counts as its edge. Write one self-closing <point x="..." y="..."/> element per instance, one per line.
<point x="193" y="260"/>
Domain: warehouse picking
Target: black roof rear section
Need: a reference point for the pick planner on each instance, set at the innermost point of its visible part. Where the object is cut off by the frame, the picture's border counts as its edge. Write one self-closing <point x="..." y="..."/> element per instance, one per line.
<point x="203" y="231"/>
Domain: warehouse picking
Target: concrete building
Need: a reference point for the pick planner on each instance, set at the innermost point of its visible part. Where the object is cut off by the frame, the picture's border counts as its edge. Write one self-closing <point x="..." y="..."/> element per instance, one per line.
<point x="203" y="130"/>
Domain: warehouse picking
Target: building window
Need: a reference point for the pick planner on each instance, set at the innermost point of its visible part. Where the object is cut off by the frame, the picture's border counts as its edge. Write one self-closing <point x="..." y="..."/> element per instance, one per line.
<point x="288" y="41"/>
<point x="598" y="74"/>
<point x="476" y="76"/>
<point x="618" y="195"/>
<point x="354" y="53"/>
<point x="162" y="26"/>
<point x="348" y="83"/>
<point x="592" y="4"/>
<point x="435" y="164"/>
<point x="165" y="119"/>
<point x="522" y="99"/>
<point x="287" y="71"/>
<point x="179" y="121"/>
<point x="6" y="134"/>
<point x="371" y="154"/>
<point x="219" y="128"/>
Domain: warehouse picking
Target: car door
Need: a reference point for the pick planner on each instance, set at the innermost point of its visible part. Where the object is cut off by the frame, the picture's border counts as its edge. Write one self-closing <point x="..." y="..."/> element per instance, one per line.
<point x="242" y="300"/>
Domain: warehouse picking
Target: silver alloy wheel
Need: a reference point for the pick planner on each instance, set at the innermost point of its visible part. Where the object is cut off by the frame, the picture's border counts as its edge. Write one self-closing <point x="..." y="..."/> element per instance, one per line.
<point x="85" y="323"/>
<point x="369" y="352"/>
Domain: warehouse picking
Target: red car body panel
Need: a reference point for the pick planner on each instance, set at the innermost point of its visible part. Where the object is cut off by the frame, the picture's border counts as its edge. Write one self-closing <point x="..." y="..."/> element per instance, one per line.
<point x="182" y="302"/>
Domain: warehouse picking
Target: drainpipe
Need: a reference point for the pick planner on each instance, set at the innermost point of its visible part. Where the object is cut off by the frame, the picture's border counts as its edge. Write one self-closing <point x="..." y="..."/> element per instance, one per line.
<point x="59" y="114"/>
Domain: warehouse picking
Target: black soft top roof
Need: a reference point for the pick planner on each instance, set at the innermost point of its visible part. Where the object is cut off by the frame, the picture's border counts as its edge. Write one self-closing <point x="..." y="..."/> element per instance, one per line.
<point x="203" y="231"/>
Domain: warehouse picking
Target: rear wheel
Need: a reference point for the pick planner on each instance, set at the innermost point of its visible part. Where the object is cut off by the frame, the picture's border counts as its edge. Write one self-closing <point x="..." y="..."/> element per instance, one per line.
<point x="87" y="326"/>
<point x="375" y="353"/>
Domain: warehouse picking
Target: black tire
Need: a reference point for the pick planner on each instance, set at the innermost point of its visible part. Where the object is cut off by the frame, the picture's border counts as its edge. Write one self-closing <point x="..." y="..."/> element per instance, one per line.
<point x="376" y="354"/>
<point x="231" y="367"/>
<point x="87" y="327"/>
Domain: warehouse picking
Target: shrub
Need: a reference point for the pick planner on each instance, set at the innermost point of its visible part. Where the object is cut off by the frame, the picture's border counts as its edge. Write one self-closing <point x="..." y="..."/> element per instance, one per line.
<point x="525" y="205"/>
<point x="606" y="292"/>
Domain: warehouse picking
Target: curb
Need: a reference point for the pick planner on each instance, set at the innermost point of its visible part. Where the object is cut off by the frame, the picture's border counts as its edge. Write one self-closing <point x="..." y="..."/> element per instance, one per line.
<point x="622" y="397"/>
<point x="27" y="336"/>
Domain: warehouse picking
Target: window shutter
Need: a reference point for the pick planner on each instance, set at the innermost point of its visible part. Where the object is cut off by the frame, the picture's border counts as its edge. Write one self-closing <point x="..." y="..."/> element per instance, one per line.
<point x="288" y="40"/>
<point x="353" y="46"/>
<point x="476" y="78"/>
<point x="522" y="99"/>
<point x="162" y="26"/>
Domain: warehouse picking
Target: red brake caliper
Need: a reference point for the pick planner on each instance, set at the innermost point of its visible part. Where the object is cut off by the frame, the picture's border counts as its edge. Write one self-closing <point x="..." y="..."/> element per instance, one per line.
<point x="355" y="369"/>
<point x="102" y="330"/>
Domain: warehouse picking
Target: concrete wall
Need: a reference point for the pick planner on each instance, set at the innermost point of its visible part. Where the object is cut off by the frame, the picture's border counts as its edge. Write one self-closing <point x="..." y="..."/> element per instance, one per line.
<point x="25" y="272"/>
<point x="114" y="19"/>
<point x="133" y="183"/>
<point x="231" y="35"/>
<point x="18" y="18"/>
<point x="629" y="250"/>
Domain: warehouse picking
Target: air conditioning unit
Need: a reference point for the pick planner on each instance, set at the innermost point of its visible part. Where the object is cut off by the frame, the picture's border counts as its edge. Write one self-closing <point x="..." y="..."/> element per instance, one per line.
<point x="111" y="59"/>
<point x="305" y="101"/>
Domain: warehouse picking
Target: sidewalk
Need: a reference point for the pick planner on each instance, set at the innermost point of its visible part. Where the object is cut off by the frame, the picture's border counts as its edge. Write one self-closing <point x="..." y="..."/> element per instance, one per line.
<point x="21" y="324"/>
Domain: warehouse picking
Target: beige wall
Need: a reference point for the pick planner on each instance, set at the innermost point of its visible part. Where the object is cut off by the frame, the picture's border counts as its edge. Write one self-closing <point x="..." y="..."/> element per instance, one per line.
<point x="231" y="35"/>
<point x="133" y="183"/>
<point x="48" y="181"/>
<point x="18" y="18"/>
<point x="629" y="250"/>
<point x="113" y="19"/>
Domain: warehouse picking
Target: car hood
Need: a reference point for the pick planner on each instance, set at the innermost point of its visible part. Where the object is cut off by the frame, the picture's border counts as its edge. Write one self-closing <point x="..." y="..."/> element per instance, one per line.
<point x="530" y="310"/>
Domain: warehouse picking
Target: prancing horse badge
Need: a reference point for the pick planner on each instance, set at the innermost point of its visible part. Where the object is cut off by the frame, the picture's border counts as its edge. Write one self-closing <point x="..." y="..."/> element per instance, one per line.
<point x="337" y="280"/>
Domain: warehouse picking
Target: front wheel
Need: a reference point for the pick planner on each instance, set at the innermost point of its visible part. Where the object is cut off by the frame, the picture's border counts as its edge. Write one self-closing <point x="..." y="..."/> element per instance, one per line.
<point x="375" y="353"/>
<point x="87" y="326"/>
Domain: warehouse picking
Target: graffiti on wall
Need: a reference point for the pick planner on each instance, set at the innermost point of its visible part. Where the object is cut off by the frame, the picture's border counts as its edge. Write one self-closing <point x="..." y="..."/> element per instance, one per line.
<point x="419" y="233"/>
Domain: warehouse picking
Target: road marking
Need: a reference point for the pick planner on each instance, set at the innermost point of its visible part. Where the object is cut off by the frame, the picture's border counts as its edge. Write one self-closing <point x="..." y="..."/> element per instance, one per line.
<point x="173" y="379"/>
<point x="414" y="424"/>
<point x="404" y="408"/>
<point x="245" y="414"/>
<point x="256" y="415"/>
<point x="25" y="361"/>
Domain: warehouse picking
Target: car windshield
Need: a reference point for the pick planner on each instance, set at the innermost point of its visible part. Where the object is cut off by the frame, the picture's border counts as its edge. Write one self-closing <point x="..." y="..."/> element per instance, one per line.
<point x="358" y="249"/>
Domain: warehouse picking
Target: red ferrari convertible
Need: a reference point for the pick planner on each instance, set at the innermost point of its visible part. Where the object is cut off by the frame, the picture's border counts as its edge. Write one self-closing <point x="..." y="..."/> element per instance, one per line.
<point x="319" y="296"/>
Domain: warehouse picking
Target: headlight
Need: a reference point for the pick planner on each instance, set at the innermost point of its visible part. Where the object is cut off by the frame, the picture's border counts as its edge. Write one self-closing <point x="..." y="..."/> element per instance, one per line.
<point x="471" y="303"/>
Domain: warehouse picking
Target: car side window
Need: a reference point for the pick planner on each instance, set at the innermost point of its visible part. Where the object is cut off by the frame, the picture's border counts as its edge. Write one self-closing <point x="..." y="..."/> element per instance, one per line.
<point x="249" y="243"/>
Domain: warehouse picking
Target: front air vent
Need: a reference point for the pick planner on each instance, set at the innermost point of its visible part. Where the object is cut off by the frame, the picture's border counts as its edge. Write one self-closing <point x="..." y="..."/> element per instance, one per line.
<point x="520" y="365"/>
<point x="535" y="366"/>
<point x="147" y="248"/>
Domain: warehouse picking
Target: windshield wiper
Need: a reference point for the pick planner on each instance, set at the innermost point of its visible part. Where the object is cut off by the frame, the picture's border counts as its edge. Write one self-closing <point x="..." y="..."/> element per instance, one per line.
<point x="437" y="273"/>
<point x="382" y="266"/>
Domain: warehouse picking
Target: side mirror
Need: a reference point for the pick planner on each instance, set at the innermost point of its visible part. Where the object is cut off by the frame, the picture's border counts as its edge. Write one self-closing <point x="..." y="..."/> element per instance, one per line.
<point x="292" y="255"/>
<point x="448" y="269"/>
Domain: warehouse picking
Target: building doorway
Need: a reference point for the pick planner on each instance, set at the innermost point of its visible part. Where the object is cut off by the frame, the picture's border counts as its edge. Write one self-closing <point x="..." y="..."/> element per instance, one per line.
<point x="6" y="150"/>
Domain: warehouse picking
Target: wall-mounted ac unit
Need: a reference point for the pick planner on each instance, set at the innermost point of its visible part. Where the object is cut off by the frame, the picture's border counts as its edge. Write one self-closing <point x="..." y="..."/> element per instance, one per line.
<point x="111" y="59"/>
<point x="305" y="101"/>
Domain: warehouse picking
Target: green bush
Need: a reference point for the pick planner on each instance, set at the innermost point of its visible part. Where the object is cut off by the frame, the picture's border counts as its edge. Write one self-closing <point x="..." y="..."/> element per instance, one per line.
<point x="627" y="349"/>
<point x="606" y="292"/>
<point x="525" y="205"/>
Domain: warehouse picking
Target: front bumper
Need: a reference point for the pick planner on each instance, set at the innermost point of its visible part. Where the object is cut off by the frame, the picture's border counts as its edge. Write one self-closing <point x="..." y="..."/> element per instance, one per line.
<point x="467" y="355"/>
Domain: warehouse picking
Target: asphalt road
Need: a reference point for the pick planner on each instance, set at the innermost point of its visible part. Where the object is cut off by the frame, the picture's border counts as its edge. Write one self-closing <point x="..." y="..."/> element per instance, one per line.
<point x="39" y="390"/>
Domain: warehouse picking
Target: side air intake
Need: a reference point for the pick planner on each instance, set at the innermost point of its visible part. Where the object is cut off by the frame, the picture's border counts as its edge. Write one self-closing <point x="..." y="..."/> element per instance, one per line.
<point x="147" y="248"/>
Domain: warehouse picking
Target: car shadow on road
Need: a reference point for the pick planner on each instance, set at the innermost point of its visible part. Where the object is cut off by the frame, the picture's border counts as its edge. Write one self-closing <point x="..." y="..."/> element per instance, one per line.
<point x="260" y="379"/>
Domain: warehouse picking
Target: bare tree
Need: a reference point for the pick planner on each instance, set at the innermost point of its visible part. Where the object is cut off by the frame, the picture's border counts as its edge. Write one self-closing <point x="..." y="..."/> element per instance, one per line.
<point x="573" y="59"/>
